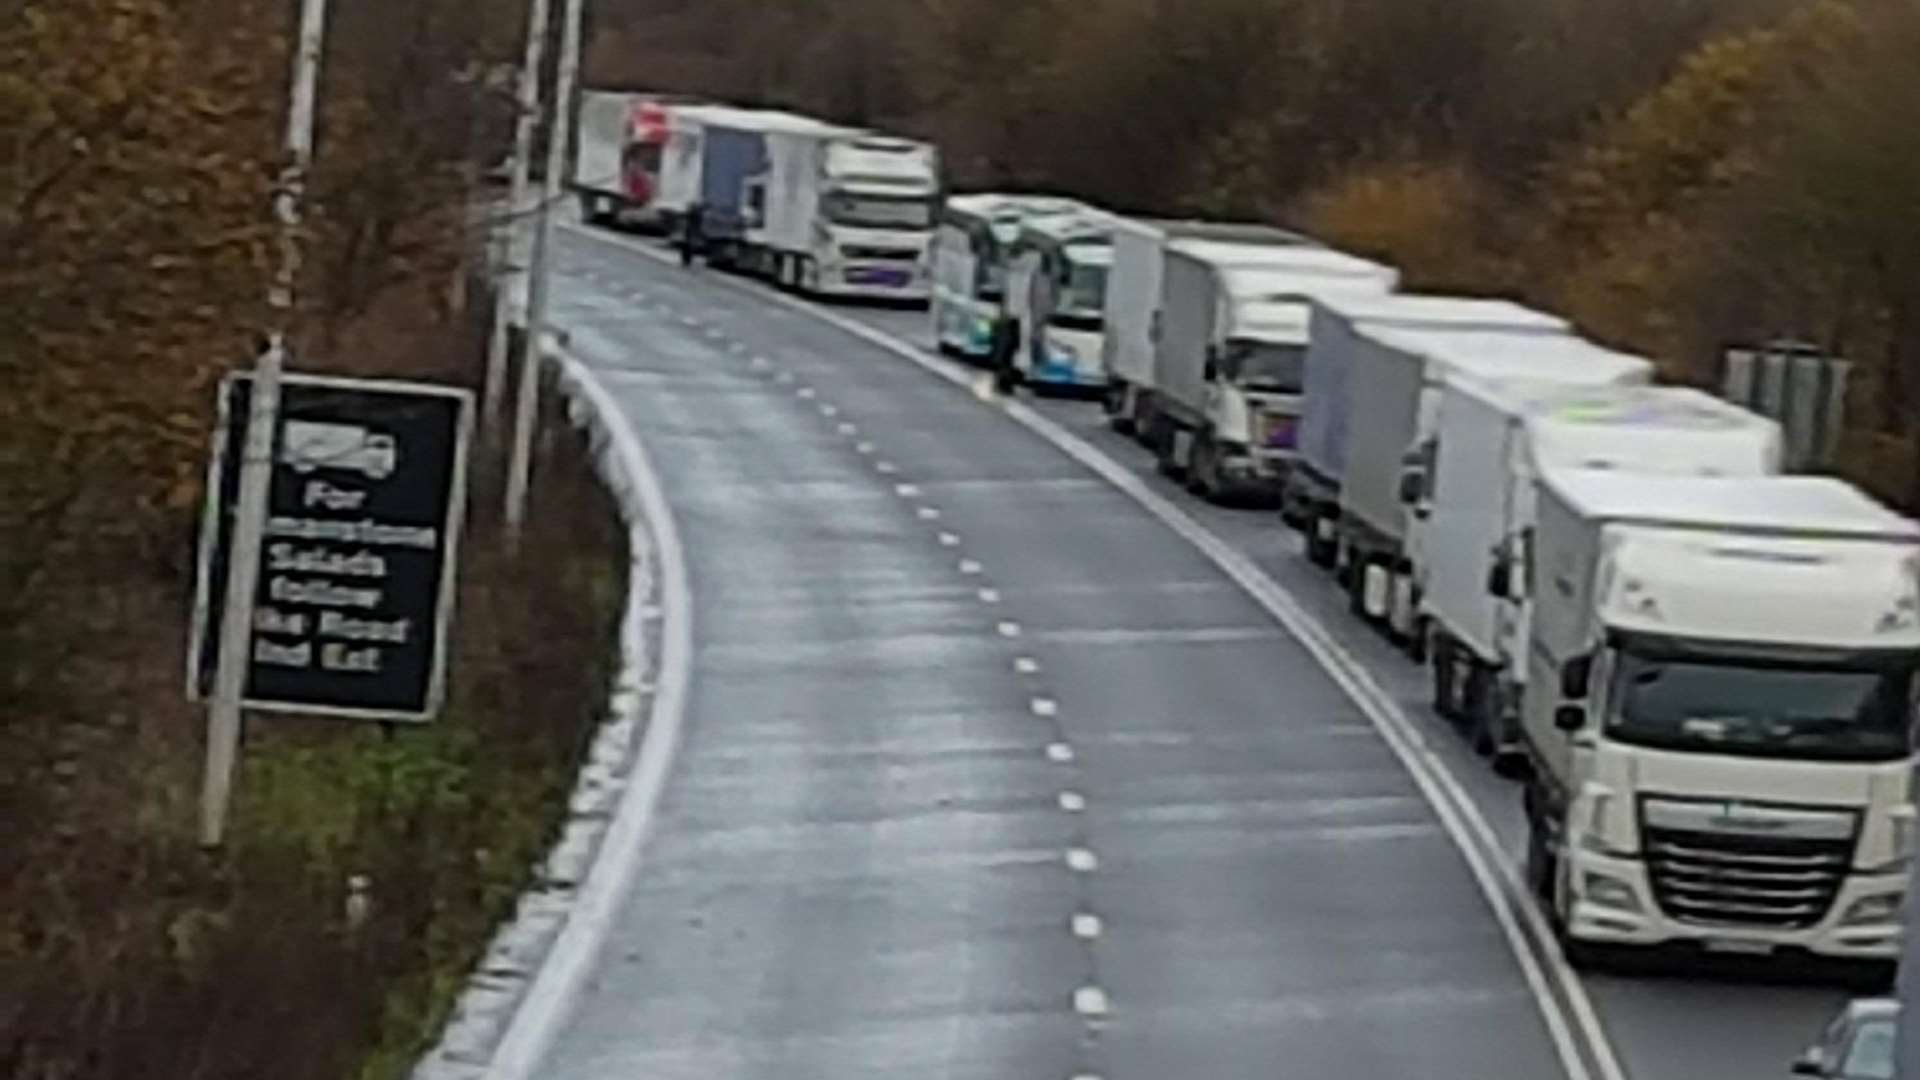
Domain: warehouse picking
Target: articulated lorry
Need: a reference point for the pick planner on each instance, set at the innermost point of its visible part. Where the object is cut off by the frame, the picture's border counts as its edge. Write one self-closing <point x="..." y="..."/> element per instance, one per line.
<point x="970" y="256"/>
<point x="1470" y="545"/>
<point x="840" y="212"/>
<point x="1721" y="714"/>
<point x="1230" y="353"/>
<point x="617" y="158"/>
<point x="1056" y="300"/>
<point x="714" y="157"/>
<point x="1398" y="377"/>
<point x="1337" y="329"/>
<point x="1133" y="304"/>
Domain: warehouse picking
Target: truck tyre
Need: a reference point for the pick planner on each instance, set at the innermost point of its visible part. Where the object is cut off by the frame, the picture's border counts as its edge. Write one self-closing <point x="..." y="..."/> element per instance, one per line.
<point x="1324" y="553"/>
<point x="807" y="277"/>
<point x="1356" y="582"/>
<point x="1443" y="677"/>
<point x="1160" y="440"/>
<point x="1203" y="470"/>
<point x="1119" y="409"/>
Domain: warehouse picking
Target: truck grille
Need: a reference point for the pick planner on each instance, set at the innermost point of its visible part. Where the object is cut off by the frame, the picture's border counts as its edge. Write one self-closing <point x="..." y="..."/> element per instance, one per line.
<point x="1721" y="878"/>
<point x="885" y="254"/>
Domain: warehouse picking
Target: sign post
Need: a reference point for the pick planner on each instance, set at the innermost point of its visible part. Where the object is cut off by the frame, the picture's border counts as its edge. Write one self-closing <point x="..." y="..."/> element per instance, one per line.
<point x="354" y="577"/>
<point x="223" y="712"/>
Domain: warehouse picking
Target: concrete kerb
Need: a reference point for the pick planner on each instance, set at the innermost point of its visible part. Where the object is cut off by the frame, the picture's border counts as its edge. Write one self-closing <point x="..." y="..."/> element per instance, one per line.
<point x="525" y="984"/>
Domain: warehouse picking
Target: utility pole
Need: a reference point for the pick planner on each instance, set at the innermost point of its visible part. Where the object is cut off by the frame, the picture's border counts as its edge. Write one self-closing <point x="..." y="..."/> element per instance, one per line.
<point x="527" y="407"/>
<point x="528" y="116"/>
<point x="257" y="449"/>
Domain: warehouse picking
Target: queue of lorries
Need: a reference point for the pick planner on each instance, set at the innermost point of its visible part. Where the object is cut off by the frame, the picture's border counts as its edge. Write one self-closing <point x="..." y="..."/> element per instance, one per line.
<point x="1702" y="671"/>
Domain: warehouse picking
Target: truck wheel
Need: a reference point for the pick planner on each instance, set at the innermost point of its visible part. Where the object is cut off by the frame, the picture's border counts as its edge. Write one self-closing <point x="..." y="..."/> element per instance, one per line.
<point x="807" y="276"/>
<point x="1145" y="417"/>
<point x="1161" y="442"/>
<point x="1321" y="552"/>
<point x="1356" y="582"/>
<point x="1443" y="676"/>
<point x="1119" y="409"/>
<point x="1420" y="639"/>
<point x="1203" y="471"/>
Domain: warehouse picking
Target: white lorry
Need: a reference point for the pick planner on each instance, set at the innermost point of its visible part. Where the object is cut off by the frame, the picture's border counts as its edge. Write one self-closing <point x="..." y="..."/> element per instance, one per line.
<point x="970" y="256"/>
<point x="1056" y="301"/>
<point x="1133" y="304"/>
<point x="1494" y="438"/>
<point x="1337" y="326"/>
<point x="840" y="212"/>
<point x="1230" y="349"/>
<point x="1720" y="725"/>
<point x="1398" y="377"/>
<point x="617" y="156"/>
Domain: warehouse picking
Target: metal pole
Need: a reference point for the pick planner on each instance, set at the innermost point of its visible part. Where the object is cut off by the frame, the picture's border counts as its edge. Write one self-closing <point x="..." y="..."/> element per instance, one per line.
<point x="517" y="209"/>
<point x="527" y="410"/>
<point x="256" y="457"/>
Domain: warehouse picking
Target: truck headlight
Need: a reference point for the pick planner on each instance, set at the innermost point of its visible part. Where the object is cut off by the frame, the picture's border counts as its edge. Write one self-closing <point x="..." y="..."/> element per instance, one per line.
<point x="1903" y="830"/>
<point x="1879" y="908"/>
<point x="1595" y="836"/>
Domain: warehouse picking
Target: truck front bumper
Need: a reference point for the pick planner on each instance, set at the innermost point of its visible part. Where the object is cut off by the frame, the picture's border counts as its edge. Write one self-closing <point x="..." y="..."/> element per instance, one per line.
<point x="1613" y="904"/>
<point x="1067" y="377"/>
<point x="1254" y="473"/>
<point x="875" y="282"/>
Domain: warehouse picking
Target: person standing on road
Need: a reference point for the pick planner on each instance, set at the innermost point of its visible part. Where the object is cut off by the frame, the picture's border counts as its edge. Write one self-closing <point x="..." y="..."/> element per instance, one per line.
<point x="1006" y="338"/>
<point x="693" y="234"/>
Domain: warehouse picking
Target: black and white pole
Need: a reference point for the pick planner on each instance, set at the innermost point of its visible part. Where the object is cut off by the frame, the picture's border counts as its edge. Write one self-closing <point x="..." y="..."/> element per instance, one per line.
<point x="256" y="459"/>
<point x="518" y="210"/>
<point x="527" y="405"/>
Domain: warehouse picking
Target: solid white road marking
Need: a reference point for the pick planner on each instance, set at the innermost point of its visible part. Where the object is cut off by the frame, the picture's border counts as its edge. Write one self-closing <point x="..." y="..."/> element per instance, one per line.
<point x="1087" y="926"/>
<point x="1082" y="860"/>
<point x="1464" y="822"/>
<point x="1072" y="802"/>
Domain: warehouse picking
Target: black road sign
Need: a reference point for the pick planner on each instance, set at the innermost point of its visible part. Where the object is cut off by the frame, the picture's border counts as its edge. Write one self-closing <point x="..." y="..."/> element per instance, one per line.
<point x="357" y="561"/>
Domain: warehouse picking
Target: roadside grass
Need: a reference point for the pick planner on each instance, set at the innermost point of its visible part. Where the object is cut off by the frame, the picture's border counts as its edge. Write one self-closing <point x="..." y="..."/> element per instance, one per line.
<point x="126" y="951"/>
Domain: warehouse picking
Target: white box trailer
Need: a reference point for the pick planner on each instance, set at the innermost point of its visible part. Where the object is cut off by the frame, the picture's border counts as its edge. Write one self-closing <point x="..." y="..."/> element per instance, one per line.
<point x="971" y="251"/>
<point x="1229" y="357"/>
<point x="1397" y="377"/>
<point x="1494" y="438"/>
<point x="618" y="156"/>
<point x="1133" y="303"/>
<point x="1312" y="501"/>
<point x="1720" y="714"/>
<point x="845" y="212"/>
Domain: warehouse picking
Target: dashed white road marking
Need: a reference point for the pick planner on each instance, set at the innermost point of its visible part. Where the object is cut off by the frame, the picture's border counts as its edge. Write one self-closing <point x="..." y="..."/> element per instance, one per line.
<point x="929" y="513"/>
<point x="1072" y="802"/>
<point x="829" y="411"/>
<point x="1009" y="629"/>
<point x="805" y="393"/>
<point x="1044" y="706"/>
<point x="1087" y="926"/>
<point x="906" y="491"/>
<point x="1060" y="753"/>
<point x="760" y="363"/>
<point x="849" y="429"/>
<point x="1026" y="665"/>
<point x="865" y="448"/>
<point x="989" y="596"/>
<point x="948" y="539"/>
<point x="784" y="378"/>
<point x="1090" y="1001"/>
<point x="886" y="468"/>
<point x="970" y="567"/>
<point x="1082" y="860"/>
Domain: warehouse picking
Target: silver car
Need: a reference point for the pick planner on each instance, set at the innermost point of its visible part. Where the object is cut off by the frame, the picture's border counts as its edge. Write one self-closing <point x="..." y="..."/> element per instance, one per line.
<point x="1857" y="1045"/>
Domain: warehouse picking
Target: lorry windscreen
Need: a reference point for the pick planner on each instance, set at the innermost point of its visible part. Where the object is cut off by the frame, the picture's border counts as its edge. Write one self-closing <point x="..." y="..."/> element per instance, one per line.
<point x="1762" y="708"/>
<point x="1083" y="295"/>
<point x="879" y="211"/>
<point x="1262" y="365"/>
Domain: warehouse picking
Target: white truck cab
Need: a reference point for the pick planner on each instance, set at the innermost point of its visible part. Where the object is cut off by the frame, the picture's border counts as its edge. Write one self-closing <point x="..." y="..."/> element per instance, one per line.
<point x="1056" y="297"/>
<point x="1720" y="724"/>
<point x="969" y="258"/>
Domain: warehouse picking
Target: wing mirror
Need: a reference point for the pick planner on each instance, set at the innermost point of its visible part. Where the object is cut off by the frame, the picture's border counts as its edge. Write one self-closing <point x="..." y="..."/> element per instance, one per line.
<point x="1211" y="370"/>
<point x="1500" y="579"/>
<point x="1570" y="718"/>
<point x="1576" y="677"/>
<point x="1412" y="486"/>
<point x="1810" y="1063"/>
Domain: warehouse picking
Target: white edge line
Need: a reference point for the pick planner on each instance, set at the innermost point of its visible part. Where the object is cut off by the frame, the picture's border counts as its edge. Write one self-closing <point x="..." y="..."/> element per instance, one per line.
<point x="550" y="999"/>
<point x="1462" y="820"/>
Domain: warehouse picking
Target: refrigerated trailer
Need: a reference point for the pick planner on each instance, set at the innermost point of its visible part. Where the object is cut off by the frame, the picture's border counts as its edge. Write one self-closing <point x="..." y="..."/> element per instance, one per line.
<point x="618" y="154"/>
<point x="1720" y="720"/>
<point x="1133" y="304"/>
<point x="1494" y="440"/>
<point x="1230" y="348"/>
<point x="970" y="256"/>
<point x="1312" y="500"/>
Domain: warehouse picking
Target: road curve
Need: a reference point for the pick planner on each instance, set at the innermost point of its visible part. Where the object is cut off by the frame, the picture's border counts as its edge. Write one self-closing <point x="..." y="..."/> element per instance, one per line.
<point x="987" y="772"/>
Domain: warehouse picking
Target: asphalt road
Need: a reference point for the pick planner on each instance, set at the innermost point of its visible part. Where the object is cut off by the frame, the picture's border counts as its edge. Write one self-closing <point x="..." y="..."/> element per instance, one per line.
<point x="989" y="773"/>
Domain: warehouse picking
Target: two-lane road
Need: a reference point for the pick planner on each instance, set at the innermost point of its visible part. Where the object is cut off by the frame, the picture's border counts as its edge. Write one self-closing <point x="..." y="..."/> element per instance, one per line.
<point x="987" y="772"/>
